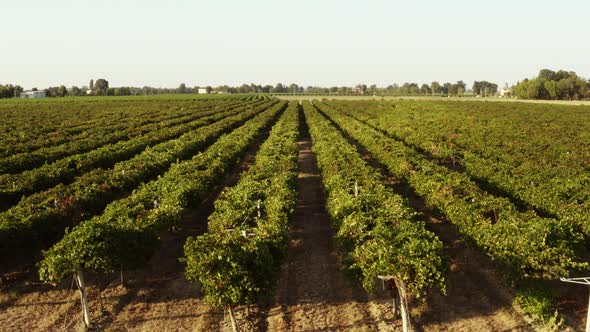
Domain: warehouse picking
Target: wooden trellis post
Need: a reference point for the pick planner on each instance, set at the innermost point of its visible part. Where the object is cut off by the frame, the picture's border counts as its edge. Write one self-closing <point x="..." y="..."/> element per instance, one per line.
<point x="403" y="301"/>
<point x="123" y="279"/>
<point x="79" y="277"/>
<point x="232" y="318"/>
<point x="258" y="208"/>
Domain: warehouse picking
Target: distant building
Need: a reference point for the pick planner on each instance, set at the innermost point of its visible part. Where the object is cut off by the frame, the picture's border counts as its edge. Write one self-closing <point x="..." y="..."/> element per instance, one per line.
<point x="33" y="94"/>
<point x="506" y="93"/>
<point x="358" y="90"/>
<point x="203" y="91"/>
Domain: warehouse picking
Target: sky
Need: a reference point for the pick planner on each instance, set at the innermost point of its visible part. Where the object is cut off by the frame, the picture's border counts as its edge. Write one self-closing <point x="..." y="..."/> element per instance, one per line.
<point x="321" y="43"/>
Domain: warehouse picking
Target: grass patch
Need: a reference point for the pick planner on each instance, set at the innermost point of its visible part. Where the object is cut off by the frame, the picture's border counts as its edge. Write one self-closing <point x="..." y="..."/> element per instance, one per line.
<point x="538" y="299"/>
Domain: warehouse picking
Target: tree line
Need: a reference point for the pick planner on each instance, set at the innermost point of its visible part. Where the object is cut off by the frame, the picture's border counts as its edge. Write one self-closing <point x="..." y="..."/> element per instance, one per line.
<point x="101" y="87"/>
<point x="10" y="91"/>
<point x="459" y="88"/>
<point x="553" y="85"/>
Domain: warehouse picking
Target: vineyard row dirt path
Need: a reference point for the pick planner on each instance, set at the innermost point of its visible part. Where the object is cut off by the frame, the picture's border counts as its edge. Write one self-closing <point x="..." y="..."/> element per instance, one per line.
<point x="313" y="294"/>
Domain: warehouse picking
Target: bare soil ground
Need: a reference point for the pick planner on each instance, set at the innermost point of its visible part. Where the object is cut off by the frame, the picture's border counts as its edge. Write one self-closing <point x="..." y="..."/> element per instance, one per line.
<point x="476" y="299"/>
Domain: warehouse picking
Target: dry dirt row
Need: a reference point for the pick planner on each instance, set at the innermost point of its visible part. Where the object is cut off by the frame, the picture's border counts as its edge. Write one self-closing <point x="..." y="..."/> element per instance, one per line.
<point x="313" y="294"/>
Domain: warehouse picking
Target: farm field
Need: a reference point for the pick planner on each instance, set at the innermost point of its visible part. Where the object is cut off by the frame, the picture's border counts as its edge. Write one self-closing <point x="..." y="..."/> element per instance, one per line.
<point x="199" y="212"/>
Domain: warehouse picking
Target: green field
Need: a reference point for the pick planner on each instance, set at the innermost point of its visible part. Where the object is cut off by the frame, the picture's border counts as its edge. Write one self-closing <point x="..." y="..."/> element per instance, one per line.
<point x="94" y="186"/>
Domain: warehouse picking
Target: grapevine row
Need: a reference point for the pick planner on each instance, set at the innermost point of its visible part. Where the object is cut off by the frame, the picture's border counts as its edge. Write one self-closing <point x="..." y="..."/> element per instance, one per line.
<point x="522" y="242"/>
<point x="126" y="234"/>
<point x="48" y="119"/>
<point x="38" y="219"/>
<point x="28" y="160"/>
<point x="13" y="186"/>
<point x="376" y="229"/>
<point x="543" y="164"/>
<point x="237" y="261"/>
<point x="109" y="130"/>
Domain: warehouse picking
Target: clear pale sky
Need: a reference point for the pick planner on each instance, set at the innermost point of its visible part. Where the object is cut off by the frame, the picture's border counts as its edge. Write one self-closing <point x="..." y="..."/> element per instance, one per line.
<point x="323" y="42"/>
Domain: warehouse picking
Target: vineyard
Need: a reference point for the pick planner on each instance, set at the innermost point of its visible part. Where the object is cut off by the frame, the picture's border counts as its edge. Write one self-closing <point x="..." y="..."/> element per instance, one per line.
<point x="252" y="213"/>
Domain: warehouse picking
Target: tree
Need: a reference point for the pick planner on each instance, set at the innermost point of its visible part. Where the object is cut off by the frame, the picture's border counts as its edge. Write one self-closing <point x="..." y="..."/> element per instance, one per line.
<point x="62" y="91"/>
<point x="564" y="85"/>
<point x="460" y="91"/>
<point x="562" y="74"/>
<point x="520" y="88"/>
<point x="409" y="89"/>
<point x="51" y="92"/>
<point x="566" y="88"/>
<point x="460" y="87"/>
<point x="255" y="88"/>
<point x="91" y="85"/>
<point x="182" y="88"/>
<point x="101" y="86"/>
<point x="244" y="88"/>
<point x="279" y="88"/>
<point x="56" y="91"/>
<point x="75" y="91"/>
<point x="436" y="88"/>
<point x="10" y="91"/>
<point x="535" y="89"/>
<point x="484" y="88"/>
<point x="293" y="88"/>
<point x="582" y="88"/>
<point x="425" y="89"/>
<point x="452" y="89"/>
<point x="551" y="88"/>
<point x="548" y="74"/>
<point x="122" y="91"/>
<point x="344" y="90"/>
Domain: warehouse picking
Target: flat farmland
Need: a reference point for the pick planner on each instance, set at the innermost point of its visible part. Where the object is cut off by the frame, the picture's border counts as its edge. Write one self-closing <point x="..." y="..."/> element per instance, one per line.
<point x="204" y="212"/>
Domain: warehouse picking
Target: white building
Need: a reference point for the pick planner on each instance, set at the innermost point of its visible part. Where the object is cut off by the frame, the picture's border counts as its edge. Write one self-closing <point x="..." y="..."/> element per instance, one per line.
<point x="506" y="93"/>
<point x="202" y="91"/>
<point x="33" y="94"/>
